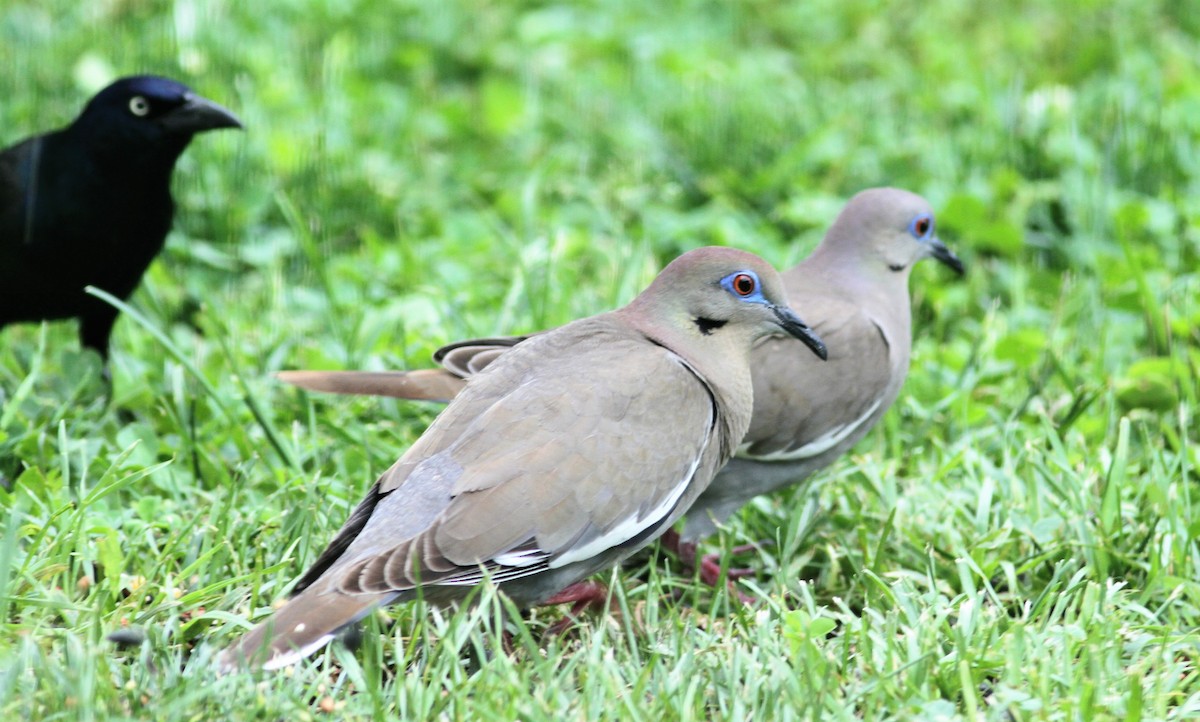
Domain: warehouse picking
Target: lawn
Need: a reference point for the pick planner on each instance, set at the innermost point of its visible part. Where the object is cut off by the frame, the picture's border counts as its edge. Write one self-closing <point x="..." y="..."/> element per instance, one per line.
<point x="1017" y="540"/>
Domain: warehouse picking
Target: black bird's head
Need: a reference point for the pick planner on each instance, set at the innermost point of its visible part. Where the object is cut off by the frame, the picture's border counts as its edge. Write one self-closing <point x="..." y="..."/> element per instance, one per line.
<point x="150" y="112"/>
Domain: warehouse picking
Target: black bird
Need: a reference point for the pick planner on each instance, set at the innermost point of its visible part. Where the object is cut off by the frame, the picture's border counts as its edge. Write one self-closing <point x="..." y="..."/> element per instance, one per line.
<point x="90" y="204"/>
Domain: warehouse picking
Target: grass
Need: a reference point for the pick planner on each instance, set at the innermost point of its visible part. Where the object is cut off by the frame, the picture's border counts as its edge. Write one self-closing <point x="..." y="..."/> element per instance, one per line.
<point x="1017" y="540"/>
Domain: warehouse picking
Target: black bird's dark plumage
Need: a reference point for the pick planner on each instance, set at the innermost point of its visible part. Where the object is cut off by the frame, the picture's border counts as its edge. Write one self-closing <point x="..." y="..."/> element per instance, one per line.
<point x="90" y="204"/>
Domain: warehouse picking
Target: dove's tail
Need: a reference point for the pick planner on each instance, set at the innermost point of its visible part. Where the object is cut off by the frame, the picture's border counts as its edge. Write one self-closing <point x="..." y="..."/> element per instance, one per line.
<point x="302" y="626"/>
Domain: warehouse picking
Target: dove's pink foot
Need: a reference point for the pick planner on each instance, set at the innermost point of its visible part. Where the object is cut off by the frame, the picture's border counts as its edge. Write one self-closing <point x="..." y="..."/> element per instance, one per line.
<point x="581" y="596"/>
<point x="709" y="565"/>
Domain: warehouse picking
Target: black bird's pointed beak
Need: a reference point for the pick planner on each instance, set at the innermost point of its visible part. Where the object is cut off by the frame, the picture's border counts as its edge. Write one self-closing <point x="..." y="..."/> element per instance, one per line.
<point x="793" y="325"/>
<point x="945" y="255"/>
<point x="199" y="114"/>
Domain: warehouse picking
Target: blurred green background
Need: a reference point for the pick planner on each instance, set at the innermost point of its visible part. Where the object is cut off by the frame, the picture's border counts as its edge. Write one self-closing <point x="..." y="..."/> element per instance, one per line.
<point x="417" y="172"/>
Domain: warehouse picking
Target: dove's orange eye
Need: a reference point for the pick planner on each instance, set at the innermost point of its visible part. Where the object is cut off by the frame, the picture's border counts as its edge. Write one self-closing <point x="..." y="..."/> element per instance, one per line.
<point x="743" y="284"/>
<point x="921" y="226"/>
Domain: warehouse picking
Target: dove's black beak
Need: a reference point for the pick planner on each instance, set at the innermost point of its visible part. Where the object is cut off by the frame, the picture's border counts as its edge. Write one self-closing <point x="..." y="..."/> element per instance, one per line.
<point x="945" y="255"/>
<point x="795" y="326"/>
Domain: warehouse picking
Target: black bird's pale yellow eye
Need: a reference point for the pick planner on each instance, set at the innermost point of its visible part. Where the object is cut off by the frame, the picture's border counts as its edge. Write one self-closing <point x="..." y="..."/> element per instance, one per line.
<point x="139" y="106"/>
<point x="743" y="284"/>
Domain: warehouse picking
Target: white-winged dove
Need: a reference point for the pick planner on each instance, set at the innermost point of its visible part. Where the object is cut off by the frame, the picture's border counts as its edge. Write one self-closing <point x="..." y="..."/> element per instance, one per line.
<point x="853" y="289"/>
<point x="565" y="455"/>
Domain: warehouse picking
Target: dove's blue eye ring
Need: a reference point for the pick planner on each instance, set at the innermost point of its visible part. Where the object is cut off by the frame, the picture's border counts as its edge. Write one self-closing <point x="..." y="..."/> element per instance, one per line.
<point x="744" y="285"/>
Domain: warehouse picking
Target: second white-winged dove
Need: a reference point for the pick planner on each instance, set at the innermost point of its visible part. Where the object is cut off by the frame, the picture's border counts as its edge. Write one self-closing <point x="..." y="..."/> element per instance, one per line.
<point x="853" y="289"/>
<point x="566" y="454"/>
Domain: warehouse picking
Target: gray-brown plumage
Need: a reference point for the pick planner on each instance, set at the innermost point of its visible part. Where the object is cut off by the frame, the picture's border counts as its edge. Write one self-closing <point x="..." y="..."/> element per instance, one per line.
<point x="853" y="289"/>
<point x="563" y="456"/>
